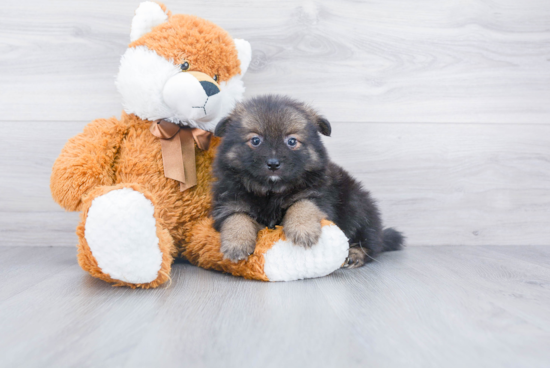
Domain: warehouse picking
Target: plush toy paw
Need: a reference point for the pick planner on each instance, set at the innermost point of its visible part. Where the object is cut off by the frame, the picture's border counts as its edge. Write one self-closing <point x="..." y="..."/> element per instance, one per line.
<point x="238" y="237"/>
<point x="275" y="257"/>
<point x="285" y="261"/>
<point x="121" y="234"/>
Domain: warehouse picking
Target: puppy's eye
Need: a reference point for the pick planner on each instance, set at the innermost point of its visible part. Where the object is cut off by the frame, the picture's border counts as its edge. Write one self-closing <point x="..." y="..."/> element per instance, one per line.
<point x="292" y="142"/>
<point x="215" y="77"/>
<point x="184" y="66"/>
<point x="255" y="141"/>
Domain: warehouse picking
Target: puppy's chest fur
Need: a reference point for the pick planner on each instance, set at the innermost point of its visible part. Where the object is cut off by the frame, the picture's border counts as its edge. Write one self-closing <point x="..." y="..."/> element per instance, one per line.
<point x="268" y="210"/>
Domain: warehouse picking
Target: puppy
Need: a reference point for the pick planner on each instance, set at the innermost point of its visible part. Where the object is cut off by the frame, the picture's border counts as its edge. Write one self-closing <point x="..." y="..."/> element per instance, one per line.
<point x="272" y="169"/>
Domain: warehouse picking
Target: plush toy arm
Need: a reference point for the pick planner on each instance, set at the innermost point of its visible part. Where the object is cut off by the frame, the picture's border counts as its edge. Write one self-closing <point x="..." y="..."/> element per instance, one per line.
<point x="86" y="162"/>
<point x="275" y="258"/>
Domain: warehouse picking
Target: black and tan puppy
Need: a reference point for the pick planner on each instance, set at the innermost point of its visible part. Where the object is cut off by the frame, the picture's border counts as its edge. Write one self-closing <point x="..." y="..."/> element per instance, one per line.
<point x="272" y="169"/>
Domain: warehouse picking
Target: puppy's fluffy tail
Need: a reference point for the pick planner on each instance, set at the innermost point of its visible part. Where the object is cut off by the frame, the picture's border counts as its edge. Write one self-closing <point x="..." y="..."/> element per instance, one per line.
<point x="393" y="240"/>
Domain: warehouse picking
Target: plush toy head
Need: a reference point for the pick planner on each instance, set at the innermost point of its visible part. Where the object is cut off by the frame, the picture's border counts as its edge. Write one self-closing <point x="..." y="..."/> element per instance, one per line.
<point x="181" y="68"/>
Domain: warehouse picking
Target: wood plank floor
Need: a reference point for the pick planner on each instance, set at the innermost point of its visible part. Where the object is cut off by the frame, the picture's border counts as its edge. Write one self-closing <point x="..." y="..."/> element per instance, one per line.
<point x="443" y="306"/>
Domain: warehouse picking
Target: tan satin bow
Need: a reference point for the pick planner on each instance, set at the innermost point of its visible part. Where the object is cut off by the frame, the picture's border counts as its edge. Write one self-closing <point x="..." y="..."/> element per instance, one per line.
<point x="178" y="150"/>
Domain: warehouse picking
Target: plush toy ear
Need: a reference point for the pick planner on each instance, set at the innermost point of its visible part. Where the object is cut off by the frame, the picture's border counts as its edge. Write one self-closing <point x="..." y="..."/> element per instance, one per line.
<point x="222" y="126"/>
<point x="245" y="53"/>
<point x="148" y="15"/>
<point x="323" y="126"/>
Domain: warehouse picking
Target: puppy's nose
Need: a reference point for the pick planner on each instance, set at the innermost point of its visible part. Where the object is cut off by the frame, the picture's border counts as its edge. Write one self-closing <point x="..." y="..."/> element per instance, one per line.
<point x="273" y="164"/>
<point x="210" y="88"/>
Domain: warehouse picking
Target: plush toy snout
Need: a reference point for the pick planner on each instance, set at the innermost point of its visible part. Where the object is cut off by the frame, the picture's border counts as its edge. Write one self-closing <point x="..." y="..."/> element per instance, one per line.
<point x="208" y="84"/>
<point x="193" y="96"/>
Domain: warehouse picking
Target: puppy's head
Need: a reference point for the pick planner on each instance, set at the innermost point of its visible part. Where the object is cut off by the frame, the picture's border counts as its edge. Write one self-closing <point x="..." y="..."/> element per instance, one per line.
<point x="273" y="143"/>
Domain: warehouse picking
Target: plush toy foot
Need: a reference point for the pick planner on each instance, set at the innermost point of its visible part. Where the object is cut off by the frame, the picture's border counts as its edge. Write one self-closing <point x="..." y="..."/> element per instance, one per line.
<point x="121" y="240"/>
<point x="286" y="261"/>
<point x="275" y="258"/>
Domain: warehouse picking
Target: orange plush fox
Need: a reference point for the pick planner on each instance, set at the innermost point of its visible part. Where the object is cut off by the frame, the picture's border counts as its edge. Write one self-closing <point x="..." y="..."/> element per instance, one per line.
<point x="143" y="181"/>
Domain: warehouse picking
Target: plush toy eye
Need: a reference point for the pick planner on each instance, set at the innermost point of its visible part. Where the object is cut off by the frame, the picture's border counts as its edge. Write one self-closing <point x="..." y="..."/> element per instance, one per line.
<point x="292" y="142"/>
<point x="184" y="66"/>
<point x="215" y="77"/>
<point x="255" y="141"/>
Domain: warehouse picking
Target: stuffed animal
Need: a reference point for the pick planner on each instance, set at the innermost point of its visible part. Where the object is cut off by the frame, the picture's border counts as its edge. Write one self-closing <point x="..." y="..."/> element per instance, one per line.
<point x="142" y="182"/>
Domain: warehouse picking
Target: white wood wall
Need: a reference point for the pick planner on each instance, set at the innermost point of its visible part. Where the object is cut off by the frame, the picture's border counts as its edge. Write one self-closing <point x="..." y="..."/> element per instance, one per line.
<point x="440" y="107"/>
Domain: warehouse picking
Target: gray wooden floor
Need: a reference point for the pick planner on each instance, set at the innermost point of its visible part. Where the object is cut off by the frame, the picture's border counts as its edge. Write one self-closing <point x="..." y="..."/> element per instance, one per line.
<point x="442" y="306"/>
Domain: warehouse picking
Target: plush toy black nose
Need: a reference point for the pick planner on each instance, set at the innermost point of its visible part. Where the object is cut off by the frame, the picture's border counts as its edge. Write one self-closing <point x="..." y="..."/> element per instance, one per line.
<point x="210" y="88"/>
<point x="273" y="164"/>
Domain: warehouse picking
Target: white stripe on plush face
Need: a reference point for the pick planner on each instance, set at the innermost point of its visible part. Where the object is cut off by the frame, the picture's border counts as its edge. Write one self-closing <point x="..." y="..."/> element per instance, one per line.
<point x="155" y="88"/>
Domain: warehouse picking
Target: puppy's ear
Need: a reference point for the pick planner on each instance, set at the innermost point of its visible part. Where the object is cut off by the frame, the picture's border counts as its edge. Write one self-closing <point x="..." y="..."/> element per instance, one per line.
<point x="323" y="126"/>
<point x="222" y="126"/>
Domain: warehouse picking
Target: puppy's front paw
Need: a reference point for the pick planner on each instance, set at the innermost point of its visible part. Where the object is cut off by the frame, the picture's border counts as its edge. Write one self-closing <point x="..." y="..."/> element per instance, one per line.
<point x="302" y="223"/>
<point x="303" y="233"/>
<point x="238" y="237"/>
<point x="357" y="257"/>
<point x="236" y="250"/>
